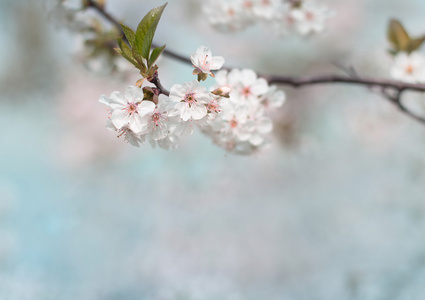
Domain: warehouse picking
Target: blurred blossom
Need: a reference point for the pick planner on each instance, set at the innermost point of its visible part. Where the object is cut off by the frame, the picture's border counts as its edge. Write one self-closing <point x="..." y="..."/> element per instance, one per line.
<point x="409" y="67"/>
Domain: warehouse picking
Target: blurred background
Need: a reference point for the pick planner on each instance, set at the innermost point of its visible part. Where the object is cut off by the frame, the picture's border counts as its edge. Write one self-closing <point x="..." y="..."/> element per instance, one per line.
<point x="335" y="209"/>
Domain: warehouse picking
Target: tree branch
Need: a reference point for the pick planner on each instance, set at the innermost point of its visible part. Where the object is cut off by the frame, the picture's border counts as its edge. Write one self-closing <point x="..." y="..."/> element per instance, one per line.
<point x="397" y="86"/>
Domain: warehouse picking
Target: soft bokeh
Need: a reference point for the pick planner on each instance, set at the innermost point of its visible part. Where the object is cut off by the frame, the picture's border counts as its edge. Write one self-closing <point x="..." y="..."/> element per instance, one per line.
<point x="335" y="209"/>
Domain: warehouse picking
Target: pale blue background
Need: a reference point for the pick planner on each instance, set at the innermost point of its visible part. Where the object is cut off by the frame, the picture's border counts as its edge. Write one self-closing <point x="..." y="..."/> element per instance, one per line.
<point x="337" y="215"/>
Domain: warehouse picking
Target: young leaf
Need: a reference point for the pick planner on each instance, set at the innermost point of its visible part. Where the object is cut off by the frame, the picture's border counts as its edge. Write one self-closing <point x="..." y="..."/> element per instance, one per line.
<point x="398" y="36"/>
<point x="146" y="30"/>
<point x="125" y="49"/>
<point x="415" y="44"/>
<point x="129" y="34"/>
<point x="142" y="62"/>
<point x="120" y="52"/>
<point x="155" y="54"/>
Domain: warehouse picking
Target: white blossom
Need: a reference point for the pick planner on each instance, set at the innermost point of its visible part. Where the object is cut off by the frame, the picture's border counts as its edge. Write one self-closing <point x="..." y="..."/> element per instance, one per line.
<point x="246" y="85"/>
<point x="128" y="110"/>
<point x="190" y="100"/>
<point x="310" y="17"/>
<point x="273" y="98"/>
<point x="409" y="67"/>
<point x="226" y="16"/>
<point x="282" y="17"/>
<point x="242" y="125"/>
<point x="204" y="62"/>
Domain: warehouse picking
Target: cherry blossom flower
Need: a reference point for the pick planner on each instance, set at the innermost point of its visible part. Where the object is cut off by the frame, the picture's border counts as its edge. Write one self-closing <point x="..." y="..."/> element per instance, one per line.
<point x="226" y="16"/>
<point x="310" y="17"/>
<point x="246" y="85"/>
<point x="128" y="110"/>
<point x="190" y="99"/>
<point x="409" y="67"/>
<point x="158" y="123"/>
<point x="129" y="136"/>
<point x="274" y="98"/>
<point x="242" y="125"/>
<point x="283" y="17"/>
<point x="204" y="62"/>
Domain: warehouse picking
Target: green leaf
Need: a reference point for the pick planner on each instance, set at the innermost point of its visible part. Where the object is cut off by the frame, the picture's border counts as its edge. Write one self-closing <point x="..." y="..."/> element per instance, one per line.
<point x="155" y="54"/>
<point x="142" y="62"/>
<point x="129" y="34"/>
<point x="415" y="44"/>
<point x="125" y="49"/>
<point x="127" y="58"/>
<point x="146" y="30"/>
<point x="398" y="36"/>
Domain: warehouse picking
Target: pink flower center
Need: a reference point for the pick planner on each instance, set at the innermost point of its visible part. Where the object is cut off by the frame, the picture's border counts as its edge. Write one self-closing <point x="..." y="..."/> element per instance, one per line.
<point x="156" y="117"/>
<point x="131" y="108"/>
<point x="213" y="107"/>
<point x="247" y="4"/>
<point x="231" y="12"/>
<point x="205" y="64"/>
<point x="189" y="98"/>
<point x="233" y="123"/>
<point x="410" y="69"/>
<point x="246" y="91"/>
<point x="266" y="2"/>
<point x="309" y="15"/>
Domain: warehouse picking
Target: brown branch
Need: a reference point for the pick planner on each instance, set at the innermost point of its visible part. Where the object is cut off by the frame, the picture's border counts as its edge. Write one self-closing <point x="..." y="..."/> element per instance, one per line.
<point x="385" y="84"/>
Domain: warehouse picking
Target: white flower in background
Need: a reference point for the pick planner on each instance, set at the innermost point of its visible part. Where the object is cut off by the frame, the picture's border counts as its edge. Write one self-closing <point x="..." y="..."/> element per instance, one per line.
<point x="246" y="85"/>
<point x="409" y="67"/>
<point x="259" y="125"/>
<point x="204" y="62"/>
<point x="283" y="16"/>
<point x="226" y="16"/>
<point x="242" y="125"/>
<point x="267" y="10"/>
<point x="310" y="17"/>
<point x="128" y="109"/>
<point x="190" y="99"/>
<point x="273" y="98"/>
<point x="233" y="123"/>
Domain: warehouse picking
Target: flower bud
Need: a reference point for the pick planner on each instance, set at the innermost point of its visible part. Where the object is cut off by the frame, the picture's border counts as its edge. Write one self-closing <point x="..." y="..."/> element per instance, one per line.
<point x="222" y="91"/>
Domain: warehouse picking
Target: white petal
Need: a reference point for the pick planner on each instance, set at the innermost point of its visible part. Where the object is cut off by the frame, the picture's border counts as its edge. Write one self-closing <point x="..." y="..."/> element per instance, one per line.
<point x="259" y="87"/>
<point x="160" y="131"/>
<point x="256" y="139"/>
<point x="145" y="107"/>
<point x="133" y="93"/>
<point x="248" y="77"/>
<point x="138" y="124"/>
<point x="234" y="77"/>
<point x="110" y="126"/>
<point x="184" y="128"/>
<point x="217" y="62"/>
<point x="264" y="125"/>
<point x="176" y="93"/>
<point x="198" y="111"/>
<point x="120" y="118"/>
<point x="186" y="112"/>
<point x="132" y="139"/>
<point x="115" y="101"/>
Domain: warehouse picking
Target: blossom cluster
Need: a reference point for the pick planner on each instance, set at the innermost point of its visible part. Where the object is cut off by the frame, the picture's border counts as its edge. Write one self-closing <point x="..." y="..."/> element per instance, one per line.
<point x="409" y="67"/>
<point x="232" y="113"/>
<point x="301" y="17"/>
